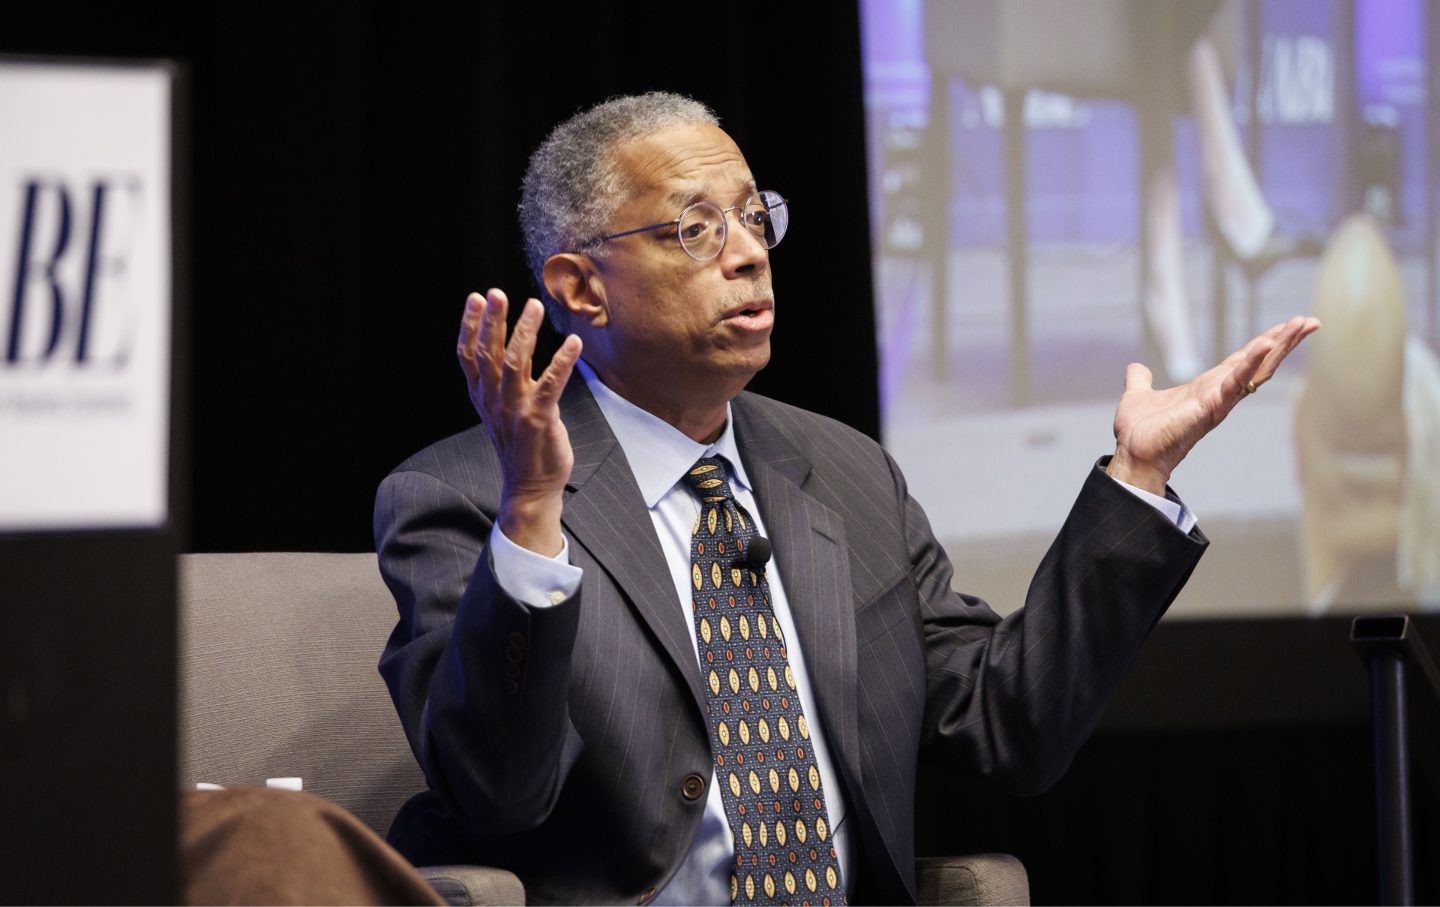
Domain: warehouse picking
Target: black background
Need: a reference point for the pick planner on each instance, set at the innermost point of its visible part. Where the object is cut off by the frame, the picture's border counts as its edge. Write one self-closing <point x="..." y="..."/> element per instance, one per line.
<point x="353" y="173"/>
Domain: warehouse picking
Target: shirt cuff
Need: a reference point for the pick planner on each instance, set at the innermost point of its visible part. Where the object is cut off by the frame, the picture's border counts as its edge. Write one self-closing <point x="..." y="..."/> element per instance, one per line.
<point x="532" y="579"/>
<point x="1174" y="510"/>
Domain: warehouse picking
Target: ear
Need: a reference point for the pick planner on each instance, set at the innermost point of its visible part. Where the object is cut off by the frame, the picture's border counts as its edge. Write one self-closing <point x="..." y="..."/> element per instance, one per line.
<point x="573" y="280"/>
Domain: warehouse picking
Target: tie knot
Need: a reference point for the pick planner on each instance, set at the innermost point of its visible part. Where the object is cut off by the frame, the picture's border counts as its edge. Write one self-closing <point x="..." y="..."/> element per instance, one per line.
<point x="708" y="479"/>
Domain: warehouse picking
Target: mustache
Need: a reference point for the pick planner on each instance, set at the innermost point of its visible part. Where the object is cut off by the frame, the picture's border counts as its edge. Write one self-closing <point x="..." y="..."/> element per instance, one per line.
<point x="747" y="294"/>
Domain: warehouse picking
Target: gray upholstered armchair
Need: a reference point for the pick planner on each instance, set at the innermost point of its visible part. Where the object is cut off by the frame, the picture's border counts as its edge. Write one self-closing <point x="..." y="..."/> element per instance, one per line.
<point x="278" y="679"/>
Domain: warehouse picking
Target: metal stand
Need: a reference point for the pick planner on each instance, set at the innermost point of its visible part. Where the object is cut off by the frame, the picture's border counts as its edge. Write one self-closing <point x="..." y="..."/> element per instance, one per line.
<point x="1389" y="645"/>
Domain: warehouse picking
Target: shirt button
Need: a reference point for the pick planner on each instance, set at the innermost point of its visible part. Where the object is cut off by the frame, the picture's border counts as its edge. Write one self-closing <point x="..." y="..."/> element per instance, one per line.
<point x="692" y="787"/>
<point x="556" y="597"/>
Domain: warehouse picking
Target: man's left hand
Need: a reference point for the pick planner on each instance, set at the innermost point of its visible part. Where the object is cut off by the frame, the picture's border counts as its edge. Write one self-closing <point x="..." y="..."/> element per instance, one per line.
<point x="1155" y="429"/>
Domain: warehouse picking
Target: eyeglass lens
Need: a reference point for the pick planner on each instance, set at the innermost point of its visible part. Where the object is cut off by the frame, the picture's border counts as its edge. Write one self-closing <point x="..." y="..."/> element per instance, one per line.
<point x="702" y="226"/>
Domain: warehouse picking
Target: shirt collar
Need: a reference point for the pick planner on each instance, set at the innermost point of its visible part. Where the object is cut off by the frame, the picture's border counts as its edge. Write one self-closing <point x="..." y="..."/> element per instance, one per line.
<point x="658" y="452"/>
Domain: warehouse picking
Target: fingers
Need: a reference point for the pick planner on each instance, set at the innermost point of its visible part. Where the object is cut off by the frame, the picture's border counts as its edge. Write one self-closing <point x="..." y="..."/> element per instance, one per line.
<point x="515" y="378"/>
<point x="1296" y="330"/>
<point x="491" y="342"/>
<point x="552" y="382"/>
<point x="1233" y="361"/>
<point x="1243" y="376"/>
<point x="1283" y="339"/>
<point x="1254" y="363"/>
<point x="482" y="336"/>
<point x="469" y="335"/>
<point x="499" y="370"/>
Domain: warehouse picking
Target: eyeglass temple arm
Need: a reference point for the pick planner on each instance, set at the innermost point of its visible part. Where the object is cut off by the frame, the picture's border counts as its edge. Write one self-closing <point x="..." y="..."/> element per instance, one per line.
<point x="669" y="223"/>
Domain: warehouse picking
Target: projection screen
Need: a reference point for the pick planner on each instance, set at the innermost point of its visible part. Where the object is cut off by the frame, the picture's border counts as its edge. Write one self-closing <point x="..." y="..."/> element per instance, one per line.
<point x="1058" y="189"/>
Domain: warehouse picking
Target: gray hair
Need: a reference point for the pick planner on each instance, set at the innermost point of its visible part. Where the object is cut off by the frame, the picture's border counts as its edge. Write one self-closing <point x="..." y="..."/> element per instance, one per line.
<point x="573" y="181"/>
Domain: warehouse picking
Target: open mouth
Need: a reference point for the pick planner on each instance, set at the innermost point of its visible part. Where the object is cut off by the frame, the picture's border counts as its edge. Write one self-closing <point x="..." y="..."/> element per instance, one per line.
<point x="752" y="309"/>
<point x="752" y="317"/>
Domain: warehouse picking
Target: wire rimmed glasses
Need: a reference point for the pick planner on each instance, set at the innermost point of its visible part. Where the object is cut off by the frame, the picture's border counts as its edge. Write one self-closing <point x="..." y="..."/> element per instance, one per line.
<point x="704" y="226"/>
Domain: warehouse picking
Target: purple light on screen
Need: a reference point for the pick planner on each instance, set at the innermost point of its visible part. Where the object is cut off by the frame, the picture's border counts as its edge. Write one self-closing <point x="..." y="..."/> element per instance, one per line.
<point x="1389" y="52"/>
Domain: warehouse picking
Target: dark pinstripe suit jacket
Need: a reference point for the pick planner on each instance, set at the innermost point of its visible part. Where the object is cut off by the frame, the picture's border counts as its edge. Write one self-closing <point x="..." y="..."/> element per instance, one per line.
<point x="558" y="742"/>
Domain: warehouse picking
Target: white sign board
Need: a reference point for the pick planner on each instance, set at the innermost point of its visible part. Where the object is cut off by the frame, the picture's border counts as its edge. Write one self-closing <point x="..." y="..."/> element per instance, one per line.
<point x="85" y="296"/>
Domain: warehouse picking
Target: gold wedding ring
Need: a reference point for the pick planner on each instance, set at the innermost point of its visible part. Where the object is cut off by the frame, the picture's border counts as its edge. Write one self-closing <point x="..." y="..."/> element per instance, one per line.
<point x="1250" y="388"/>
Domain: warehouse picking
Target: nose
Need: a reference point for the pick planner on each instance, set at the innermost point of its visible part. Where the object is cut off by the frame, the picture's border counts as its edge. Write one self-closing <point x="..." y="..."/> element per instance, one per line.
<point x="744" y="254"/>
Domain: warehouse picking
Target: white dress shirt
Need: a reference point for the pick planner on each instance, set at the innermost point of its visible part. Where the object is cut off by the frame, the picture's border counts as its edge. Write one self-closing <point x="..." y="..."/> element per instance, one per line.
<point x="659" y="455"/>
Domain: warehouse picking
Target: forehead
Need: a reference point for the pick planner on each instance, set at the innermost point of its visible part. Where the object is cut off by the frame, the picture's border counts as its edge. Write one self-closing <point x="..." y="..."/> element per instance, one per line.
<point x="683" y="164"/>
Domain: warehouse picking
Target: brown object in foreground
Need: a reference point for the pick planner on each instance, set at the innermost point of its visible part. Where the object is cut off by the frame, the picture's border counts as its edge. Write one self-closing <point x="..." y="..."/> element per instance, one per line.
<point x="255" y="845"/>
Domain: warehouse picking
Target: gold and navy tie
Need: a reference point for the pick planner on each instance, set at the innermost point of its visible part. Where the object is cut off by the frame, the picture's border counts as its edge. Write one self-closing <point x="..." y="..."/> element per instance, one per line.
<point x="758" y="732"/>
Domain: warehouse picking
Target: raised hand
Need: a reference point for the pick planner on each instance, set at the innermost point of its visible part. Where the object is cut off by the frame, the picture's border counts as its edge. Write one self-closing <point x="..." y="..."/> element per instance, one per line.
<point x="521" y="414"/>
<point x="1155" y="429"/>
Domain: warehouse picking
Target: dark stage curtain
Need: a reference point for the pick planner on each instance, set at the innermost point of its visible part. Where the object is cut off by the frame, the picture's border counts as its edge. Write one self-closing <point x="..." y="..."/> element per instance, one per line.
<point x="355" y="170"/>
<point x="1241" y="815"/>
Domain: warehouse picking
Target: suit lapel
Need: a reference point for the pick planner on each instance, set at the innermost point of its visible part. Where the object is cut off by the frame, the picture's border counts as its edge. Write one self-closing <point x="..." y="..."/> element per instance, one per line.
<point x="606" y="514"/>
<point x="810" y="548"/>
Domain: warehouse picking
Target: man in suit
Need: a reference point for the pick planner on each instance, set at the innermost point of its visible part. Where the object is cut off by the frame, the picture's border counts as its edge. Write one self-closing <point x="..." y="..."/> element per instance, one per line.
<point x="611" y="688"/>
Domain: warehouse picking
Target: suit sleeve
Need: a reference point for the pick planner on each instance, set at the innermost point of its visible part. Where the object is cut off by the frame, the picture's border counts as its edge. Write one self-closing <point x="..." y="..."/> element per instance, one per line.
<point x="1015" y="698"/>
<point x="479" y="680"/>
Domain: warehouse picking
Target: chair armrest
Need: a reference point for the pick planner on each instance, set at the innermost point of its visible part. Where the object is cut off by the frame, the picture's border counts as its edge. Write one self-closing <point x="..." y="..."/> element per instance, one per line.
<point x="977" y="879"/>
<point x="473" y="886"/>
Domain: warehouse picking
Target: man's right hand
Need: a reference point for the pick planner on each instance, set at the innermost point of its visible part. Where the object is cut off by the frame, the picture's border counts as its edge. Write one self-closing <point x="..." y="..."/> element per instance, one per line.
<point x="521" y="414"/>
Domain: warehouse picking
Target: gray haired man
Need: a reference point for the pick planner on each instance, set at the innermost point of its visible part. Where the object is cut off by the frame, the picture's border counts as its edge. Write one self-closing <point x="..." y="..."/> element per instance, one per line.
<point x="614" y="688"/>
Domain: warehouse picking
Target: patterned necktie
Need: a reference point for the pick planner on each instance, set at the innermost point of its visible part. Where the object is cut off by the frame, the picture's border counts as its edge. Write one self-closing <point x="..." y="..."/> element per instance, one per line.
<point x="763" y="758"/>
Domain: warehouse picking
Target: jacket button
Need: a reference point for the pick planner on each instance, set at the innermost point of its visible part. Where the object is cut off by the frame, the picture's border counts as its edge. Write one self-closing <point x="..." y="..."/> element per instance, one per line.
<point x="517" y="640"/>
<point x="649" y="893"/>
<point x="692" y="787"/>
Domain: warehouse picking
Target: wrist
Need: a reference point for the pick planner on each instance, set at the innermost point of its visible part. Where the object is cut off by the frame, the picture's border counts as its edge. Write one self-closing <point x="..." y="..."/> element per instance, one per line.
<point x="532" y="522"/>
<point x="1145" y="476"/>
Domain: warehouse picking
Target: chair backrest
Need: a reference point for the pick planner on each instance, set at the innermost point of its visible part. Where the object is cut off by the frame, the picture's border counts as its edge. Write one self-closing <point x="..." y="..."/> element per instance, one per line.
<point x="278" y="678"/>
